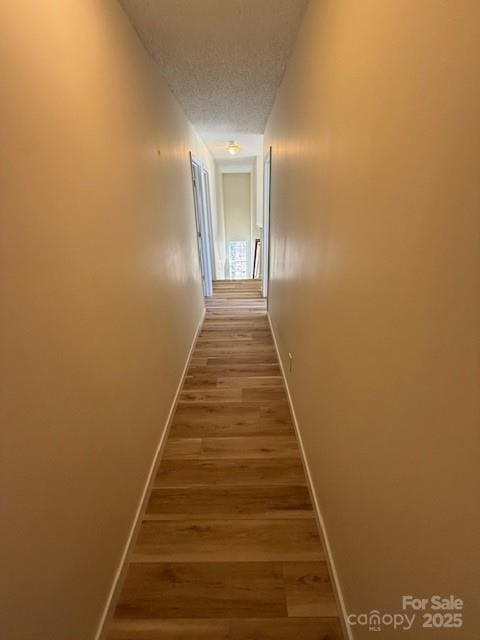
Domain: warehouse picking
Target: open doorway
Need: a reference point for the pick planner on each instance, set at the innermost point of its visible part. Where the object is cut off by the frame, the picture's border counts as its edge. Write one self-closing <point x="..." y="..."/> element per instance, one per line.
<point x="237" y="211"/>
<point x="237" y="241"/>
<point x="240" y="211"/>
<point x="203" y="221"/>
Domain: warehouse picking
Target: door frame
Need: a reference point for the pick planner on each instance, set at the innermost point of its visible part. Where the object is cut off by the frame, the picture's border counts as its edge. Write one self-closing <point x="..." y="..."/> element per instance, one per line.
<point x="209" y="219"/>
<point x="202" y="210"/>
<point x="267" y="190"/>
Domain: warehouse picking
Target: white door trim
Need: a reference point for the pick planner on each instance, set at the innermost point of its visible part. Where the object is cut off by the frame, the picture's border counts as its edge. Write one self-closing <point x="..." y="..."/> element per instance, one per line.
<point x="203" y="226"/>
<point x="267" y="172"/>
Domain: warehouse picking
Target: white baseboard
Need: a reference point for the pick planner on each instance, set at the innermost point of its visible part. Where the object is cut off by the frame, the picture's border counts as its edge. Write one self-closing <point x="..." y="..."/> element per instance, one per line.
<point x="321" y="524"/>
<point x="107" y="611"/>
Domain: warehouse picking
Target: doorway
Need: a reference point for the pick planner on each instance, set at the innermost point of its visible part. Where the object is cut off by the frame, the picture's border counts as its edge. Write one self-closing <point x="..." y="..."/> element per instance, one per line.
<point x="237" y="211"/>
<point x="203" y="221"/>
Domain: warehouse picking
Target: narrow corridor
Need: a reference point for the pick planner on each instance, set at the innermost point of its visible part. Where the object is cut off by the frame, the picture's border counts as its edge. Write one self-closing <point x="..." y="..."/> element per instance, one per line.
<point x="151" y="482"/>
<point x="228" y="547"/>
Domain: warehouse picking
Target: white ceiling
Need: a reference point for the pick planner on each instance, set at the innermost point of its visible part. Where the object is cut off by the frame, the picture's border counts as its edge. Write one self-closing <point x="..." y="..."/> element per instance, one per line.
<point x="223" y="59"/>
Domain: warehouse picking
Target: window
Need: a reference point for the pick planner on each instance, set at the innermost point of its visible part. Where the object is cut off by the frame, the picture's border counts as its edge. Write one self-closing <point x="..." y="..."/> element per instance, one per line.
<point x="237" y="259"/>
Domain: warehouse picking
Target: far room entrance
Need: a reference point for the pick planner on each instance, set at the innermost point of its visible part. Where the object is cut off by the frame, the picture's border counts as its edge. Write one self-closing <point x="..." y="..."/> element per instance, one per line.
<point x="232" y="207"/>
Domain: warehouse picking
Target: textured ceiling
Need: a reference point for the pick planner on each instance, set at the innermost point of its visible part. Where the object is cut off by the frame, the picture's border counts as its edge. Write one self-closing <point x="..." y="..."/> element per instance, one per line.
<point x="223" y="59"/>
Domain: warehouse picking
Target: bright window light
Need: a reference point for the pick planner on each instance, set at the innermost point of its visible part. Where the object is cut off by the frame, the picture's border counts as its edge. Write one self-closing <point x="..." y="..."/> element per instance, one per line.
<point x="237" y="259"/>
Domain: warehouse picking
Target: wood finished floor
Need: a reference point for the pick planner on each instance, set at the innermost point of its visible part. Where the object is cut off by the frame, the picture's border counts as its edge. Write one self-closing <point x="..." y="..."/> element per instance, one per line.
<point x="228" y="548"/>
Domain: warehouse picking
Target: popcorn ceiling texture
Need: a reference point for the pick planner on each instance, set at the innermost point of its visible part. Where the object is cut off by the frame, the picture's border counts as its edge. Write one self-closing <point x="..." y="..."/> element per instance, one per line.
<point x="223" y="59"/>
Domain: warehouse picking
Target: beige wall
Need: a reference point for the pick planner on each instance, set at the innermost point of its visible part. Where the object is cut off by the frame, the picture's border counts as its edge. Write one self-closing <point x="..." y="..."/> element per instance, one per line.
<point x="375" y="290"/>
<point x="100" y="299"/>
<point x="259" y="191"/>
<point x="237" y="200"/>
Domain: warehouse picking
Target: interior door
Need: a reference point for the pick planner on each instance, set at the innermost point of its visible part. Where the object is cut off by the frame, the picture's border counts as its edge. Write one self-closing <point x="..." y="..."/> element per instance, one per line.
<point x="208" y="215"/>
<point x="201" y="222"/>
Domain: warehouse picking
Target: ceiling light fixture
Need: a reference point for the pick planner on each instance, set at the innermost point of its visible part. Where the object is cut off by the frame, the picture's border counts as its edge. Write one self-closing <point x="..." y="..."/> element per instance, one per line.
<point x="233" y="148"/>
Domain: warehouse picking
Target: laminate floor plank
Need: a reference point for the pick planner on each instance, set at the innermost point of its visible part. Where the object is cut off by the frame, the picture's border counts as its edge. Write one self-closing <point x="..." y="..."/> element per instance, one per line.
<point x="252" y="382"/>
<point x="199" y="382"/>
<point x="309" y="590"/>
<point x="203" y="590"/>
<point x="230" y="410"/>
<point x="215" y="380"/>
<point x="227" y="629"/>
<point x="230" y="473"/>
<point x="240" y="426"/>
<point x="235" y="358"/>
<point x="237" y="370"/>
<point x="264" y="395"/>
<point x="211" y="395"/>
<point x="217" y="411"/>
<point x="168" y="629"/>
<point x="250" y="447"/>
<point x="253" y="540"/>
<point x="240" y="351"/>
<point x="182" y="448"/>
<point x="252" y="334"/>
<point x="205" y="448"/>
<point x="243" y="502"/>
<point x="237" y="342"/>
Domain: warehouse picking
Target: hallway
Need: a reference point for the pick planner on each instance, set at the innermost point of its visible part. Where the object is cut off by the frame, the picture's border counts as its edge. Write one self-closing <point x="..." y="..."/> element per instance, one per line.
<point x="228" y="548"/>
<point x="286" y="460"/>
